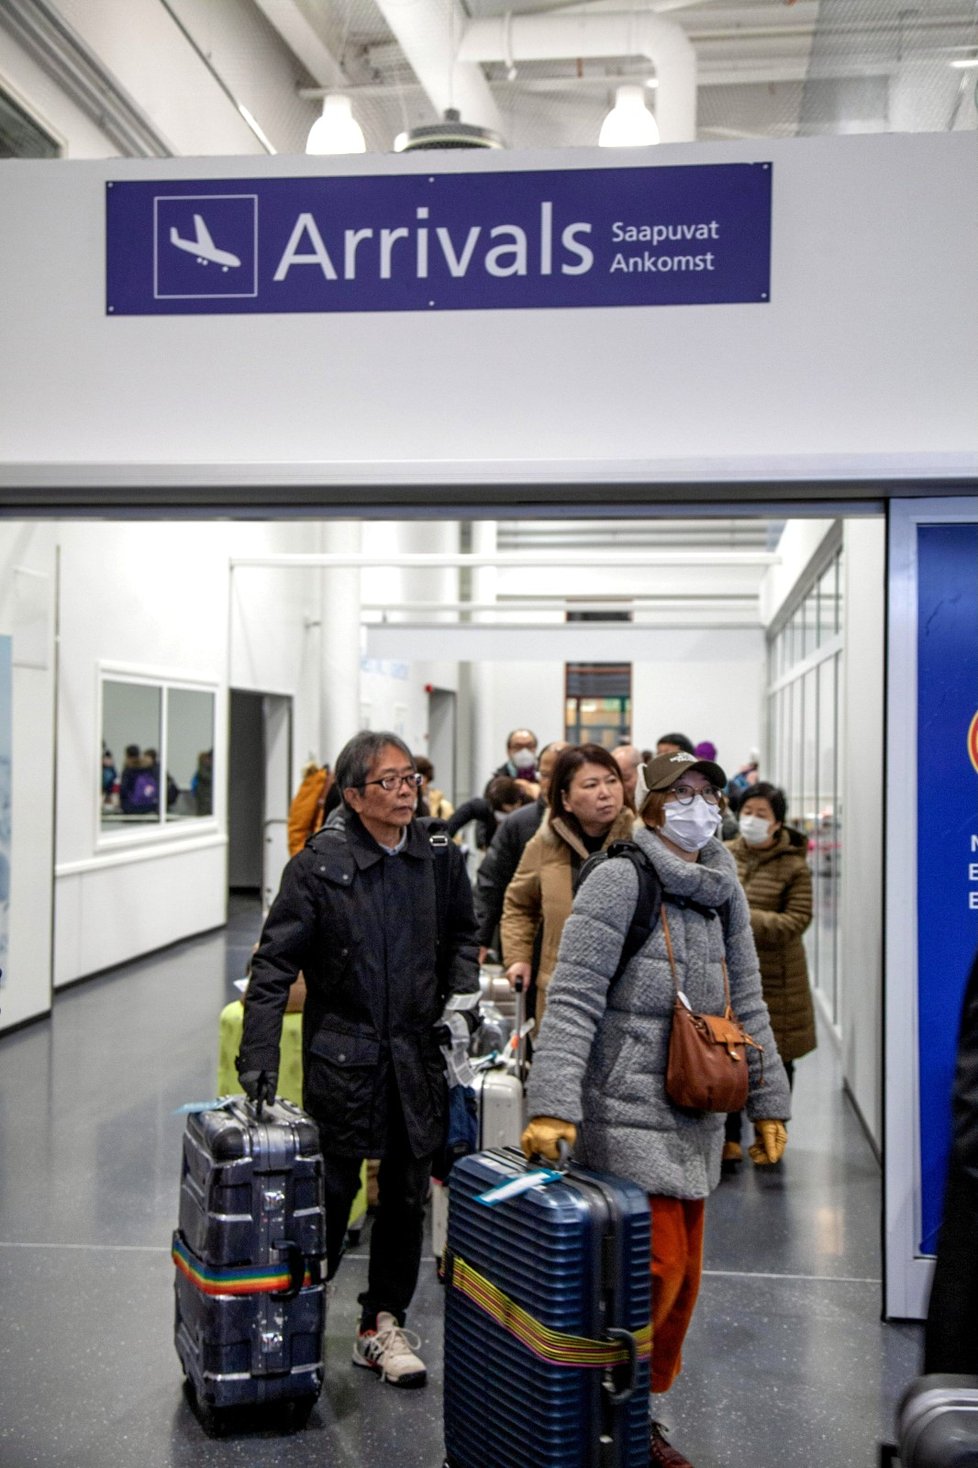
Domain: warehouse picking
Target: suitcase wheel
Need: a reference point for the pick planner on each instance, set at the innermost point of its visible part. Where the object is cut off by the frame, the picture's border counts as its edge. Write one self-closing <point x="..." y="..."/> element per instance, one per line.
<point x="302" y="1410"/>
<point x="212" y="1419"/>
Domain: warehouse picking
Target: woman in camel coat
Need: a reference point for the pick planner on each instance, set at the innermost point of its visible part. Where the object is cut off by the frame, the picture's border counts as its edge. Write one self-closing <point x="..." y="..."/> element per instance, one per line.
<point x="586" y="812"/>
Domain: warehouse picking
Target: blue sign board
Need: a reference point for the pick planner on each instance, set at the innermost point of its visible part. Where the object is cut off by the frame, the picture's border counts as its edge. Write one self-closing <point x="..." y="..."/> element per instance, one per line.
<point x="947" y="832"/>
<point x="681" y="236"/>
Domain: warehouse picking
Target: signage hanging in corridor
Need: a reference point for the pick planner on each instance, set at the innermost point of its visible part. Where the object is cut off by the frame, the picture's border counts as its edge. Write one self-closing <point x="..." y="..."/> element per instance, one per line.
<point x="666" y="236"/>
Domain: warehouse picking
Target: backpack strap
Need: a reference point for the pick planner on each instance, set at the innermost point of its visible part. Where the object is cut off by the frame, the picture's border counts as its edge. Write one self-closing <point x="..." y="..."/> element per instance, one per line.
<point x="440" y="843"/>
<point x="647" y="906"/>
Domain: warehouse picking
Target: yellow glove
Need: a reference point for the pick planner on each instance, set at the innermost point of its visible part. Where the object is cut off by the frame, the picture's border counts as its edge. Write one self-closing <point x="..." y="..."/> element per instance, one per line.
<point x="543" y="1134"/>
<point x="771" y="1140"/>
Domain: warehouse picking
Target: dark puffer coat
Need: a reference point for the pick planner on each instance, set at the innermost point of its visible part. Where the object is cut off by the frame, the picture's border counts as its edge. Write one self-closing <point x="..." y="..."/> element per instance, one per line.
<point x="363" y="928"/>
<point x="778" y="883"/>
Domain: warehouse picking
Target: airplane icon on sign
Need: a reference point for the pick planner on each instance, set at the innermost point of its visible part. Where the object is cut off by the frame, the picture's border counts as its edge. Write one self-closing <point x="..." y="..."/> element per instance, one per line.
<point x="203" y="246"/>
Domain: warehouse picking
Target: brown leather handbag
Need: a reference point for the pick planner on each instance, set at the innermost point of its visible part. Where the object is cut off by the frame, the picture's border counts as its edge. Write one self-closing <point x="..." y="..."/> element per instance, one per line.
<point x="706" y="1068"/>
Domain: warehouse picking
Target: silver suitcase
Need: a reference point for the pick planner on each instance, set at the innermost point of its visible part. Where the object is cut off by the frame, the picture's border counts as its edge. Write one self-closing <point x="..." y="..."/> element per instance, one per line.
<point x="937" y="1424"/>
<point x="499" y="1091"/>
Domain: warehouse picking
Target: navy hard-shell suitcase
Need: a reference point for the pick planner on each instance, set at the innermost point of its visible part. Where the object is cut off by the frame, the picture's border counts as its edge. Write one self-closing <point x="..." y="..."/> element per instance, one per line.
<point x="250" y="1300"/>
<point x="937" y="1424"/>
<point x="547" y="1311"/>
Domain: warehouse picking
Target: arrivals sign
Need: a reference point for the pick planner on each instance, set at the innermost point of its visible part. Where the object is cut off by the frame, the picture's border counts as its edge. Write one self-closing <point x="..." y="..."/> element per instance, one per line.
<point x="947" y="827"/>
<point x="669" y="236"/>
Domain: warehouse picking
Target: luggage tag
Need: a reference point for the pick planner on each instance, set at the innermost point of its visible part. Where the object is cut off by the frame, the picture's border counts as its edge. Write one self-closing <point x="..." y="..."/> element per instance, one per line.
<point x="522" y="1183"/>
<point x="194" y="1108"/>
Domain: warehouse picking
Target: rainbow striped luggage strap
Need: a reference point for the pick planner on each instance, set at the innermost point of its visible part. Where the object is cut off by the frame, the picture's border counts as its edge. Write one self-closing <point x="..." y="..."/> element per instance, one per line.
<point x="553" y="1346"/>
<point x="276" y="1279"/>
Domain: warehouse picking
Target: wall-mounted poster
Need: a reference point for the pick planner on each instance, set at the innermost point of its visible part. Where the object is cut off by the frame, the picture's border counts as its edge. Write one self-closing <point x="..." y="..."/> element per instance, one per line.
<point x="6" y="705"/>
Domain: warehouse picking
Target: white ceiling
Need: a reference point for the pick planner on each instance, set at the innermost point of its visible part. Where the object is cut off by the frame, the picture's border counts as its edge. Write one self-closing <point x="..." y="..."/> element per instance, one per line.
<point x="168" y="76"/>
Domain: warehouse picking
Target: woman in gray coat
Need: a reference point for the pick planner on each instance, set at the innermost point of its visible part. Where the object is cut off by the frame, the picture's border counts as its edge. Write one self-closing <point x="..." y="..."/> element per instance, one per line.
<point x="598" y="1076"/>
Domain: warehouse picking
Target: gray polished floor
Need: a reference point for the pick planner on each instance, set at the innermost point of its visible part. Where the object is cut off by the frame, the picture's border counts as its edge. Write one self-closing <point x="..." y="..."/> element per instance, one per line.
<point x="787" y="1361"/>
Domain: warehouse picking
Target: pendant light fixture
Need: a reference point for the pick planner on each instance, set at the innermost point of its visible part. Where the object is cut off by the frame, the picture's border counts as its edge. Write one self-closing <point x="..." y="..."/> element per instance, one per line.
<point x="337" y="130"/>
<point x="629" y="124"/>
<point x="450" y="133"/>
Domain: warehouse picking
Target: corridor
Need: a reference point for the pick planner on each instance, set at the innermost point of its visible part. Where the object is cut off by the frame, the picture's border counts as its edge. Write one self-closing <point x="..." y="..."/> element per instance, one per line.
<point x="787" y="1361"/>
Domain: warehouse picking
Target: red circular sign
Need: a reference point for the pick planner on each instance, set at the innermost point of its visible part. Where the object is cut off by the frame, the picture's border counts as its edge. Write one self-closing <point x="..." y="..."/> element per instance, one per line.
<point x="973" y="741"/>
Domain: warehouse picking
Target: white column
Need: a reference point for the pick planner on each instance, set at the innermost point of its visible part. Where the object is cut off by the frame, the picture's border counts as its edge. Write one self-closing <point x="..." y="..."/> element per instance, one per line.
<point x="485" y="753"/>
<point x="339" y="716"/>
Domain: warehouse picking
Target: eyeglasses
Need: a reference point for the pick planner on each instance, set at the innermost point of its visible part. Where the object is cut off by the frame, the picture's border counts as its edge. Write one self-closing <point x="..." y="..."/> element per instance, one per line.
<point x="685" y="794"/>
<point x="394" y="782"/>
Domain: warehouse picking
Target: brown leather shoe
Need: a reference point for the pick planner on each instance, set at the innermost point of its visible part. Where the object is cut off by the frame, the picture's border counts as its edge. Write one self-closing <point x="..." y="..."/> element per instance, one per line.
<point x="662" y="1452"/>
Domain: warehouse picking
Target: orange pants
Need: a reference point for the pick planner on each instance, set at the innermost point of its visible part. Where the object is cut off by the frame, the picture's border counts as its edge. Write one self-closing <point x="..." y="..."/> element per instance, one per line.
<point x="676" y="1266"/>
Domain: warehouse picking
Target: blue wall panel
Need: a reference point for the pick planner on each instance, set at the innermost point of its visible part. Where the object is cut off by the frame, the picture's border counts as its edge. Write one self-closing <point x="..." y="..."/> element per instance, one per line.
<point x="947" y="827"/>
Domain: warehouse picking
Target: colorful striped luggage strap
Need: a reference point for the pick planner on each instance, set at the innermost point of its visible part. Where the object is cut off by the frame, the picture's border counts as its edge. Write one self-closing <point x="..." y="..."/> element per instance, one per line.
<point x="552" y="1346"/>
<point x="244" y="1280"/>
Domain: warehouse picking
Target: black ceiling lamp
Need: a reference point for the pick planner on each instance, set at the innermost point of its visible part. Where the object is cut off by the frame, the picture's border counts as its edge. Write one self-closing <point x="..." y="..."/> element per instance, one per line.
<point x="452" y="132"/>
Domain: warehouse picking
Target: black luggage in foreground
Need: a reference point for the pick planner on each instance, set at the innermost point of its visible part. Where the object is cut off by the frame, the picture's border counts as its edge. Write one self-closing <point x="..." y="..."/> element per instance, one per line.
<point x="250" y="1301"/>
<point x="547" y="1319"/>
<point x="937" y="1424"/>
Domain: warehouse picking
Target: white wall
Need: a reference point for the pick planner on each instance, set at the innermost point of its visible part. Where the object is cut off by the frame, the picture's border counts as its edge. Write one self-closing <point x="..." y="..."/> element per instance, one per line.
<point x="28" y="571"/>
<point x="819" y="382"/>
<point x="160" y="600"/>
<point x="862" y="749"/>
<point x="147" y="599"/>
<point x="709" y="684"/>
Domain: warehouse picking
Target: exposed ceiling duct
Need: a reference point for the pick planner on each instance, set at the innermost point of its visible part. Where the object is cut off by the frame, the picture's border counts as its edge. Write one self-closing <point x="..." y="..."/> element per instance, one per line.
<point x="428" y="33"/>
<point x="568" y="36"/>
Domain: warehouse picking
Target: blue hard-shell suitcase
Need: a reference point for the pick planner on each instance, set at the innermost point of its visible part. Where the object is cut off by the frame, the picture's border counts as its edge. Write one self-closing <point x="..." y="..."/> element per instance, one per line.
<point x="250" y="1300"/>
<point x="536" y="1285"/>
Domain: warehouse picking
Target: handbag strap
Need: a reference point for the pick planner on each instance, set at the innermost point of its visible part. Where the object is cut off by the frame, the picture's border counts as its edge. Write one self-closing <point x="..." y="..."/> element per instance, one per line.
<point x="672" y="963"/>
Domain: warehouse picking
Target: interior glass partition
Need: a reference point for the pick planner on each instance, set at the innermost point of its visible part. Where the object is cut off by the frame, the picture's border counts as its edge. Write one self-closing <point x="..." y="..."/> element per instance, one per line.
<point x="804" y="660"/>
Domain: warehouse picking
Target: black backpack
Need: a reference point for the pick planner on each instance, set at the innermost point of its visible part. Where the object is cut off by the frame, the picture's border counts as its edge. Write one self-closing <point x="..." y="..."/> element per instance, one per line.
<point x="650" y="899"/>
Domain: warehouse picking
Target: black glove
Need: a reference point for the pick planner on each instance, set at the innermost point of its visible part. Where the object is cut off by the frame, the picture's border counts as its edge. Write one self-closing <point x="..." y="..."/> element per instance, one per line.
<point x="259" y="1085"/>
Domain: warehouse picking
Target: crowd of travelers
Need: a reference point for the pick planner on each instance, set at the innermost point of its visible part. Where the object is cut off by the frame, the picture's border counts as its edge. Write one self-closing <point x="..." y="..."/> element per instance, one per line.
<point x="392" y="963"/>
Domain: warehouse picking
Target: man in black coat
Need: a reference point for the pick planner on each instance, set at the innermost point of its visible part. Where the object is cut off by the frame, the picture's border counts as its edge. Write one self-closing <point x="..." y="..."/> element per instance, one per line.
<point x="378" y="916"/>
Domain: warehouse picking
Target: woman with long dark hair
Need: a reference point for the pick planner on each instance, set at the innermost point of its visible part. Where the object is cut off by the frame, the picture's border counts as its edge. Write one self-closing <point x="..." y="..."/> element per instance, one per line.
<point x="586" y="812"/>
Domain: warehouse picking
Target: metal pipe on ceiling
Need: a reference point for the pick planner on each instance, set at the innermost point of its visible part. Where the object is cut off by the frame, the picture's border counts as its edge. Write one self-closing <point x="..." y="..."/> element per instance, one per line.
<point x="609" y="560"/>
<point x="556" y="35"/>
<point x="428" y="34"/>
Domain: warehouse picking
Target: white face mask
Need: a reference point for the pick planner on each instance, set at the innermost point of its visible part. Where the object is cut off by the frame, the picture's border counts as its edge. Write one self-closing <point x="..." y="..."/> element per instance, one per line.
<point x="755" y="830"/>
<point x="691" y="826"/>
<point x="524" y="759"/>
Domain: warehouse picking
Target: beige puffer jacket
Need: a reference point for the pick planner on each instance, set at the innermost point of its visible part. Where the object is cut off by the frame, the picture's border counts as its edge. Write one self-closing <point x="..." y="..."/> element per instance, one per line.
<point x="778" y="883"/>
<point x="542" y="893"/>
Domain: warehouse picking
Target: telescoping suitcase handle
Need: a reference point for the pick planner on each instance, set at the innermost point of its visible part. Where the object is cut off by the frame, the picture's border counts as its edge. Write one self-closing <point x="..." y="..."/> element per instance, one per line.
<point x="519" y="989"/>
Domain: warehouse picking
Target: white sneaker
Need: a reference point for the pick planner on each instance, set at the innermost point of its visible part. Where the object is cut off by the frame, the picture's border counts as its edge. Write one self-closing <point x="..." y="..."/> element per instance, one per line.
<point x="389" y="1350"/>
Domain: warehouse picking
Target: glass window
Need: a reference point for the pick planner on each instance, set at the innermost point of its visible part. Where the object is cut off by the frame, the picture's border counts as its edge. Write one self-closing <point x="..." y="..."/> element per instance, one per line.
<point x="810" y="618"/>
<point x="810" y="728"/>
<point x="839" y="590"/>
<point x="132" y="733"/>
<point x="826" y="603"/>
<point x="157" y="753"/>
<point x="824" y="852"/>
<point x="189" y="753"/>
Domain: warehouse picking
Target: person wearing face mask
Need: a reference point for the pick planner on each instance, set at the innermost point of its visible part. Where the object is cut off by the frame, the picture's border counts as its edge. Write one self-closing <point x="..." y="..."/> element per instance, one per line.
<point x="598" y="1075"/>
<point x="586" y="813"/>
<point x="521" y="760"/>
<point x="772" y="865"/>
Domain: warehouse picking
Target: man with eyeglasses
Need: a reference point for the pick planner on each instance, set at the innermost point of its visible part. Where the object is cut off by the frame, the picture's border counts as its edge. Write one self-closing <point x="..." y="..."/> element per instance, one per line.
<point x="378" y="916"/>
